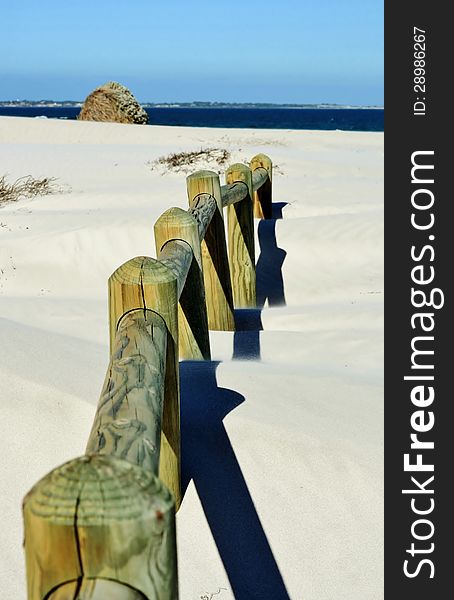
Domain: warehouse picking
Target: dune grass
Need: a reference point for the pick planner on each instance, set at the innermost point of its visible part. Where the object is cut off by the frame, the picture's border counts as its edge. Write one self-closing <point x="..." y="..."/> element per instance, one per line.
<point x="26" y="187"/>
<point x="184" y="162"/>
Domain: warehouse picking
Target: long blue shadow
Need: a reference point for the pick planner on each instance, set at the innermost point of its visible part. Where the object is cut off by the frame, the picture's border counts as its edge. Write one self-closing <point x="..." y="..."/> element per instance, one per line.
<point x="246" y="339"/>
<point x="270" y="286"/>
<point x="209" y="459"/>
<point x="270" y="283"/>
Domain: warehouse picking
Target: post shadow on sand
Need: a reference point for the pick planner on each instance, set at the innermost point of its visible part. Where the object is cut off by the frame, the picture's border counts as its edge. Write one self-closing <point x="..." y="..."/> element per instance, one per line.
<point x="270" y="286"/>
<point x="209" y="459"/>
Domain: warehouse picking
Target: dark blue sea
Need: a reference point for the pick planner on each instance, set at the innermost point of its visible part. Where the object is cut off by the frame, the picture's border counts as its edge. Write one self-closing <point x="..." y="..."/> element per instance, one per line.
<point x="351" y="119"/>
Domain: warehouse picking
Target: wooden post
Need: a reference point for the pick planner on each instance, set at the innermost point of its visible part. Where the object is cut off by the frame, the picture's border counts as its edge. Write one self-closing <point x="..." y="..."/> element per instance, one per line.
<point x="240" y="221"/>
<point x="263" y="197"/>
<point x="144" y="282"/>
<point x="194" y="340"/>
<point x="203" y="210"/>
<point x="177" y="256"/>
<point x="95" y="589"/>
<point x="99" y="518"/>
<point x="129" y="415"/>
<point x="218" y="287"/>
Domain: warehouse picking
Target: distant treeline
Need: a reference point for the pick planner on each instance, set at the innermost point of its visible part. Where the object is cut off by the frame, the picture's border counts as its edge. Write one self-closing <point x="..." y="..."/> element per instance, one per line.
<point x="76" y="103"/>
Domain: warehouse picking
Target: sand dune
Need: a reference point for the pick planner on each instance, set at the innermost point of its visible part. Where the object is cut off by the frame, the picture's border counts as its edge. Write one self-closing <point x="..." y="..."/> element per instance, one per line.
<point x="282" y="430"/>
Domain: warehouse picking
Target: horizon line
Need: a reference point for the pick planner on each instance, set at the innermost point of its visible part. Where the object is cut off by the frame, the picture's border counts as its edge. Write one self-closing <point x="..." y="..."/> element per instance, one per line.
<point x="176" y="103"/>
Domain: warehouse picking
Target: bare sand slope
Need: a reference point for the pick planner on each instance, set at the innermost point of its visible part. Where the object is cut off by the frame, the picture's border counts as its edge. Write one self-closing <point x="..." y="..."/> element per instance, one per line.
<point x="282" y="431"/>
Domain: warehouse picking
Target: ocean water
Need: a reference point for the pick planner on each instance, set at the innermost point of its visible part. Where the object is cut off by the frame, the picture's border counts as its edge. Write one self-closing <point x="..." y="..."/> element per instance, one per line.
<point x="262" y="118"/>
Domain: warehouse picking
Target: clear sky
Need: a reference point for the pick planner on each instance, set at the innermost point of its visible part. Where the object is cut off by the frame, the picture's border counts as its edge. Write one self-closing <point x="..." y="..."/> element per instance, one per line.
<point x="303" y="51"/>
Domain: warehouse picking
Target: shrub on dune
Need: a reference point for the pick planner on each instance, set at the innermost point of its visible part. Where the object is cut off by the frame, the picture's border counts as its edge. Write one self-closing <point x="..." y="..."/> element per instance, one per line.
<point x="115" y="103"/>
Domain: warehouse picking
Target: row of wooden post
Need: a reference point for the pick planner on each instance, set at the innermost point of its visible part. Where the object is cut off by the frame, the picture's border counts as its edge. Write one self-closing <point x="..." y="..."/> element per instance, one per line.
<point x="103" y="525"/>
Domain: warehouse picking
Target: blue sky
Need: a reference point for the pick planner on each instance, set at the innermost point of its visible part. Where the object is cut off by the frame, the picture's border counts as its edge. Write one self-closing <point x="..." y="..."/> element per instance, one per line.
<point x="163" y="50"/>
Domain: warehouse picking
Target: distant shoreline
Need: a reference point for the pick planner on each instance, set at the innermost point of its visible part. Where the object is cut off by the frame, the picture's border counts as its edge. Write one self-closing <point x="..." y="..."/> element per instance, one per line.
<point x="205" y="105"/>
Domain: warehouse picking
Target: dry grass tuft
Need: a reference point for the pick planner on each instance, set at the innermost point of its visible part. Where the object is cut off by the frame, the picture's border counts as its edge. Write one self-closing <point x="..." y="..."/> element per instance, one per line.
<point x="26" y="187"/>
<point x="186" y="162"/>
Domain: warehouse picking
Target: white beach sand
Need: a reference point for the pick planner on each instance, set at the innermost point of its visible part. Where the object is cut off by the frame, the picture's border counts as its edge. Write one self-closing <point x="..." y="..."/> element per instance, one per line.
<point x="285" y="453"/>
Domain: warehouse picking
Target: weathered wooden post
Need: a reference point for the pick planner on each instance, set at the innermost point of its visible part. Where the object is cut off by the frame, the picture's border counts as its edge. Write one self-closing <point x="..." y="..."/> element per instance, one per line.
<point x="263" y="196"/>
<point x="95" y="589"/>
<point x="194" y="340"/>
<point x="100" y="527"/>
<point x="218" y="287"/>
<point x="128" y="419"/>
<point x="240" y="221"/>
<point x="145" y="283"/>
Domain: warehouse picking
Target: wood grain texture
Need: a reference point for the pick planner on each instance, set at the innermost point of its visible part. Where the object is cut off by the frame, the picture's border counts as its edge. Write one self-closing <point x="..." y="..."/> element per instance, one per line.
<point x="96" y="589"/>
<point x="259" y="177"/>
<point x="218" y="287"/>
<point x="240" y="220"/>
<point x="100" y="518"/>
<point x="177" y="224"/>
<point x="177" y="256"/>
<point x="144" y="282"/>
<point x="203" y="209"/>
<point x="263" y="196"/>
<point x="234" y="192"/>
<point x="128" y="419"/>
